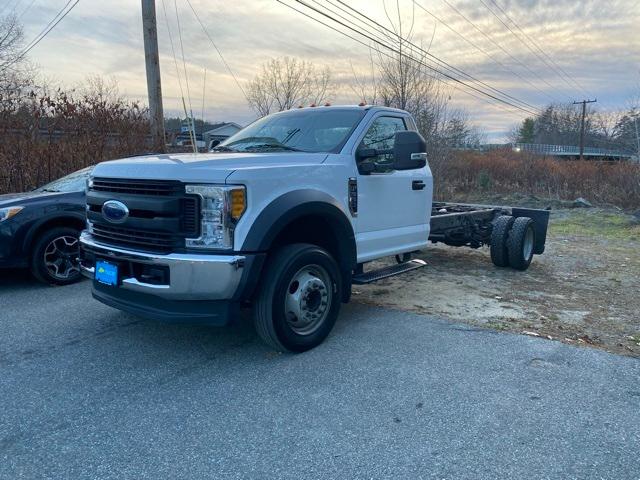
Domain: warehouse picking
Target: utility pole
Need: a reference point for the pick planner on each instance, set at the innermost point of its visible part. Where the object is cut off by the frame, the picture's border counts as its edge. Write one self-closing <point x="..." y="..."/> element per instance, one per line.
<point x="584" y="113"/>
<point x="635" y="120"/>
<point x="152" y="62"/>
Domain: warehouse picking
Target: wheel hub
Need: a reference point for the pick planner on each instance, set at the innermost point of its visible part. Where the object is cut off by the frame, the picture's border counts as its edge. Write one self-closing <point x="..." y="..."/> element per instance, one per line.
<point x="307" y="300"/>
<point x="60" y="257"/>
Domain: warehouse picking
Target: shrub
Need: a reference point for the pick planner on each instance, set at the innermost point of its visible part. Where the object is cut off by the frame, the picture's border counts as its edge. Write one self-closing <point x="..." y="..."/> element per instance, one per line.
<point x="46" y="135"/>
<point x="506" y="172"/>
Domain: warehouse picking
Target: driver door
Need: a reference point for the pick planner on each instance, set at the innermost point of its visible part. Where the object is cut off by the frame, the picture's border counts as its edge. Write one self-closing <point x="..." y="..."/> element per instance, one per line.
<point x="393" y="215"/>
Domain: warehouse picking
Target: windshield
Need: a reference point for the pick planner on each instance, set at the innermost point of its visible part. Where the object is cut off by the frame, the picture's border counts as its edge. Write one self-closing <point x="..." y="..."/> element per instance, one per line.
<point x="74" y="182"/>
<point x="302" y="131"/>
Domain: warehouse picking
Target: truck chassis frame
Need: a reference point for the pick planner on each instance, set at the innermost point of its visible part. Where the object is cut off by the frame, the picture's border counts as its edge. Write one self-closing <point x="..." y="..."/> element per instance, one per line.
<point x="467" y="225"/>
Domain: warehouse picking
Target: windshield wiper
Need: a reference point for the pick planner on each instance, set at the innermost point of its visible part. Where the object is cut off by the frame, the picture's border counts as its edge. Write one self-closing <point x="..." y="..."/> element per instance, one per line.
<point x="271" y="146"/>
<point x="222" y="148"/>
<point x="50" y="190"/>
<point x="289" y="136"/>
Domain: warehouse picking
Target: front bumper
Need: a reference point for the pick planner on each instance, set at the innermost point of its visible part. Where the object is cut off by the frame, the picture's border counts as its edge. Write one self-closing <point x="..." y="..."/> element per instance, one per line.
<point x="190" y="277"/>
<point x="196" y="288"/>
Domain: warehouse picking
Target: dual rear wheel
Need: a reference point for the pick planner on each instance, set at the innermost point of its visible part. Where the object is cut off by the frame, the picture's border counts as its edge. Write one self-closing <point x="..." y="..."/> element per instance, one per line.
<point x="513" y="242"/>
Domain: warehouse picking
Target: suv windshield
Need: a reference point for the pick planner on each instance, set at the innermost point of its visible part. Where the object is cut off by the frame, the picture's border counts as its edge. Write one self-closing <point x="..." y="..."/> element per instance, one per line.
<point x="296" y="130"/>
<point x="74" y="182"/>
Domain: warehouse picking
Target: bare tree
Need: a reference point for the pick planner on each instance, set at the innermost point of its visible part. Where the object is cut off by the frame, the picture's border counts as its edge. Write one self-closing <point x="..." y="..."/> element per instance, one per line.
<point x="286" y="82"/>
<point x="15" y="71"/>
<point x="365" y="86"/>
<point x="11" y="41"/>
<point x="404" y="80"/>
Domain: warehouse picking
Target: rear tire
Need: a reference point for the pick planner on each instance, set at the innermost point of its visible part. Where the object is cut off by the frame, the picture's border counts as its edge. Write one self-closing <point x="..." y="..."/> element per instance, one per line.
<point x="54" y="259"/>
<point x="299" y="299"/>
<point x="521" y="243"/>
<point x="499" y="236"/>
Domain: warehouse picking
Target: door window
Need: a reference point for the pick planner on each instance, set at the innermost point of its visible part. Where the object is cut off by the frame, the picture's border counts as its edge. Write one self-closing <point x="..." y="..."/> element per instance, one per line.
<point x="381" y="136"/>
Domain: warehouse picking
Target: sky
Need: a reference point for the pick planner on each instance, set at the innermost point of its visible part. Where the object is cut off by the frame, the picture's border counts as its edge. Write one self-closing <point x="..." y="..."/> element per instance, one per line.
<point x="583" y="49"/>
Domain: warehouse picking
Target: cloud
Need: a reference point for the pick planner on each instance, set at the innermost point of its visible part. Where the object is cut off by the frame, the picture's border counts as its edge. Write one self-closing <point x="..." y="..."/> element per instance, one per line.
<point x="595" y="44"/>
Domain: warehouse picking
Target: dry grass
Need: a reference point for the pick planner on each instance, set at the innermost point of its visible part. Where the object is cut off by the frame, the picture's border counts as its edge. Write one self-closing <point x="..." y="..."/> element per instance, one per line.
<point x="505" y="172"/>
<point x="43" y="137"/>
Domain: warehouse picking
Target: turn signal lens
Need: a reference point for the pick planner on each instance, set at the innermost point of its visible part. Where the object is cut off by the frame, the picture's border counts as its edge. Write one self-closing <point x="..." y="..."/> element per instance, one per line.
<point x="238" y="202"/>
<point x="8" y="212"/>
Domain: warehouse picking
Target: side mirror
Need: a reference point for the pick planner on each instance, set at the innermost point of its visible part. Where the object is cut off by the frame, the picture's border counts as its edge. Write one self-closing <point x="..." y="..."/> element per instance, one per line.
<point x="409" y="151"/>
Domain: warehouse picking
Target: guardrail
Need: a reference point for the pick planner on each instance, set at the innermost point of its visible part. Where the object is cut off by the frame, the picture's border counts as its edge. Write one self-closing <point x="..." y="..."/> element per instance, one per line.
<point x="563" y="150"/>
<point x="569" y="150"/>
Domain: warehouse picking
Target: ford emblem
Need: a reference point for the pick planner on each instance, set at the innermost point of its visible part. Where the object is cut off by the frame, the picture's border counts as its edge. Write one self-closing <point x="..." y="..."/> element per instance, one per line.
<point x="115" y="211"/>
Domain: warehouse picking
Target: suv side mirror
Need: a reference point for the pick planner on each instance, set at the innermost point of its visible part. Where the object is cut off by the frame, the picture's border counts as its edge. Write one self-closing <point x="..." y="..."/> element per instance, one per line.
<point x="409" y="151"/>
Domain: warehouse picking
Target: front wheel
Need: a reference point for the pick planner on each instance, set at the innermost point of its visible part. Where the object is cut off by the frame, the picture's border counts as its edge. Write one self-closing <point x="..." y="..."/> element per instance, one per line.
<point x="299" y="300"/>
<point x="54" y="259"/>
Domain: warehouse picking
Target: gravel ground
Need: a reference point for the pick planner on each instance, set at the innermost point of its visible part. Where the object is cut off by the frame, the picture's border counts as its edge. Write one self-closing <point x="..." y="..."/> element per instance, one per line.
<point x="89" y="392"/>
<point x="583" y="290"/>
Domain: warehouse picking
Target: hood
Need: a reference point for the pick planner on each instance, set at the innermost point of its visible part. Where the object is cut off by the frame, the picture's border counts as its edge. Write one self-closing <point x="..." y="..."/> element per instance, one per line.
<point x="209" y="167"/>
<point x="11" y="199"/>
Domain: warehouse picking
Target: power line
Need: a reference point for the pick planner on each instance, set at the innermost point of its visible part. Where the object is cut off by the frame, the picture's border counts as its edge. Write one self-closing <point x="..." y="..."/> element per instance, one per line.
<point x="186" y="81"/>
<point x="26" y="9"/>
<point x="395" y="50"/>
<point x="50" y="26"/>
<point x="536" y="45"/>
<point x="501" y="103"/>
<point x="482" y="50"/>
<point x="428" y="66"/>
<point x="175" y="60"/>
<point x="447" y="66"/>
<point x="555" y="69"/>
<point x="374" y="47"/>
<point x="4" y="7"/>
<point x="482" y="32"/>
<point x="206" y="32"/>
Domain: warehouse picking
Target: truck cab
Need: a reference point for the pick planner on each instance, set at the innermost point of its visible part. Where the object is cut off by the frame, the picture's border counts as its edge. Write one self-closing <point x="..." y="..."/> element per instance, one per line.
<point x="281" y="217"/>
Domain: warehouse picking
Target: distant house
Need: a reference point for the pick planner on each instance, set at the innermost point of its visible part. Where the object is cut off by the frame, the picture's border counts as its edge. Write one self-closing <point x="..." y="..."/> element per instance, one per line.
<point x="221" y="132"/>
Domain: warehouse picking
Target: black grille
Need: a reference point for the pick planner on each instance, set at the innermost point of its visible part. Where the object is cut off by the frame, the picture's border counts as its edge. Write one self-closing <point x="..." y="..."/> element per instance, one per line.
<point x="161" y="214"/>
<point x="137" y="187"/>
<point x="190" y="216"/>
<point x="126" y="237"/>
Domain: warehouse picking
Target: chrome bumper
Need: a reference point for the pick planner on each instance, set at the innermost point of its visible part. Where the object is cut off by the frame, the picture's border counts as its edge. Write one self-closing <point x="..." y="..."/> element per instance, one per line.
<point x="191" y="276"/>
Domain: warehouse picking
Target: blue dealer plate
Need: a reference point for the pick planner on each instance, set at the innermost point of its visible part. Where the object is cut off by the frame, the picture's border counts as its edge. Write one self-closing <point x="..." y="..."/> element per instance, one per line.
<point x="106" y="273"/>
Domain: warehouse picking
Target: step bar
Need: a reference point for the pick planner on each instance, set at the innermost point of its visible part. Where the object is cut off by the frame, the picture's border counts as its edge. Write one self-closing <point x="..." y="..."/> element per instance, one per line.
<point x="386" y="272"/>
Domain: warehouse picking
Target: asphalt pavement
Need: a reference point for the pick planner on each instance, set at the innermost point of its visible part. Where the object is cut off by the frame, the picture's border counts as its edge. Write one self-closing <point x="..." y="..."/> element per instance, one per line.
<point x="89" y="392"/>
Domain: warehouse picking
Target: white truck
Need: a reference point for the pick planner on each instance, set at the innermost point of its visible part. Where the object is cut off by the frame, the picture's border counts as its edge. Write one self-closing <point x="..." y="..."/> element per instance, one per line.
<point x="283" y="216"/>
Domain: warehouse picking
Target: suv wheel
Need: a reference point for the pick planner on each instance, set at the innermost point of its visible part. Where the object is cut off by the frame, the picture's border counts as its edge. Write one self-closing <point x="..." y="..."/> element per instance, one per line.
<point x="299" y="301"/>
<point x="55" y="256"/>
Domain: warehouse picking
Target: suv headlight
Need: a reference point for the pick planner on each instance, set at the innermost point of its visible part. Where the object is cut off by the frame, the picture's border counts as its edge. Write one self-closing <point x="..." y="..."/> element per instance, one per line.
<point x="220" y="209"/>
<point x="8" y="212"/>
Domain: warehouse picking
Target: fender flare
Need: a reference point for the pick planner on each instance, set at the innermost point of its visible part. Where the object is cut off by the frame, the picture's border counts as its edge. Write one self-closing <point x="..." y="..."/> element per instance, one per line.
<point x="57" y="217"/>
<point x="291" y="206"/>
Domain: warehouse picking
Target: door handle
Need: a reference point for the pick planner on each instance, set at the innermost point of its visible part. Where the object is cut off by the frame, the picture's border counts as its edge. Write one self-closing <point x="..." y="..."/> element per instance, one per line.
<point x="417" y="185"/>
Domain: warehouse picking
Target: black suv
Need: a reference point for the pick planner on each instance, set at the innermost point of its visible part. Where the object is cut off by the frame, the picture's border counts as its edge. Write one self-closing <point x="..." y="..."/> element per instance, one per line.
<point x="40" y="229"/>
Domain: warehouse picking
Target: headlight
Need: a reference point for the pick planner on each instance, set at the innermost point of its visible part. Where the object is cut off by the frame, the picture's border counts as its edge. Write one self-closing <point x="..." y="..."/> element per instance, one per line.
<point x="220" y="209"/>
<point x="8" y="212"/>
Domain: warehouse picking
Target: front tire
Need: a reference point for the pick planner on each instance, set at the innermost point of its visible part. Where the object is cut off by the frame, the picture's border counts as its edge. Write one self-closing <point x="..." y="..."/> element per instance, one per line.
<point x="55" y="256"/>
<point x="299" y="300"/>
